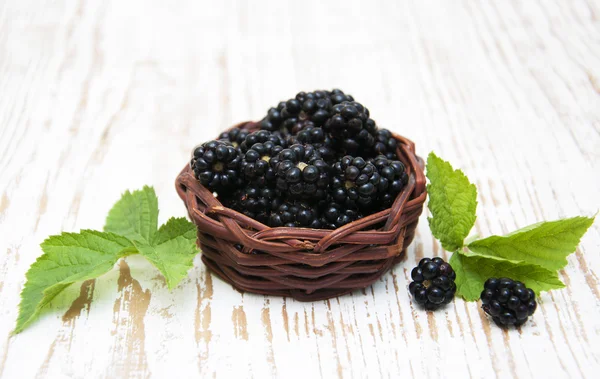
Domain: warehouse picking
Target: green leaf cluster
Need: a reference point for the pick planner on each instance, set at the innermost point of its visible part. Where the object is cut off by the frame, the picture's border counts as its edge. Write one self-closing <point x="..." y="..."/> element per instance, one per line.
<point x="531" y="255"/>
<point x="131" y="228"/>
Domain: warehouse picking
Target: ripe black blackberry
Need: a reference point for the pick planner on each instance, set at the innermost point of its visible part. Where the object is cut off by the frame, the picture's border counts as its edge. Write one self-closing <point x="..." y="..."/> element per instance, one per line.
<point x="295" y="214"/>
<point x="509" y="302"/>
<point x="312" y="106"/>
<point x="253" y="201"/>
<point x="433" y="283"/>
<point x="301" y="173"/>
<point x="355" y="183"/>
<point x="385" y="144"/>
<point x="262" y="136"/>
<point x="335" y="216"/>
<point x="315" y="106"/>
<point x="255" y="165"/>
<point x="216" y="165"/>
<point x="234" y="136"/>
<point x="308" y="133"/>
<point x="393" y="178"/>
<point x="351" y="127"/>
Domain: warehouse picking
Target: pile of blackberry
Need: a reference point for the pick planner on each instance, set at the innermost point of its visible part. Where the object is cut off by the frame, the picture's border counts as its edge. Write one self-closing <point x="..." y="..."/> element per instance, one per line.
<point x="317" y="161"/>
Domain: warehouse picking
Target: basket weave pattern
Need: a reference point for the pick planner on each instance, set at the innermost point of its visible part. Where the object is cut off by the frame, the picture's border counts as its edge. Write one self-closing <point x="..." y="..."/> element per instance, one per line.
<point x="306" y="264"/>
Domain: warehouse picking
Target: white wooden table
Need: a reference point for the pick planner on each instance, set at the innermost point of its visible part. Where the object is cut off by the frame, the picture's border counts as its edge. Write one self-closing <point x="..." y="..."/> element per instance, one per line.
<point x="101" y="96"/>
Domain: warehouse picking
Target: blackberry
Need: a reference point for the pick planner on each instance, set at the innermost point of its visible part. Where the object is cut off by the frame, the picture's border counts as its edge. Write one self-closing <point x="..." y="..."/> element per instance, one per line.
<point x="433" y="283"/>
<point x="308" y="133"/>
<point x="313" y="106"/>
<point x="300" y="172"/>
<point x="351" y="127"/>
<point x="393" y="178"/>
<point x="335" y="216"/>
<point x="216" y="165"/>
<point x="355" y="182"/>
<point x="255" y="165"/>
<point x="253" y="201"/>
<point x="509" y="302"/>
<point x="295" y="214"/>
<point x="262" y="136"/>
<point x="234" y="136"/>
<point x="385" y="144"/>
<point x="283" y="118"/>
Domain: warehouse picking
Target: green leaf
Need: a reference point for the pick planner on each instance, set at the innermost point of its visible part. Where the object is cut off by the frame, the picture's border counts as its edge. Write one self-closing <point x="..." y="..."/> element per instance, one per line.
<point x="173" y="250"/>
<point x="452" y="202"/>
<point x="135" y="215"/>
<point x="472" y="272"/>
<point x="546" y="244"/>
<point x="67" y="258"/>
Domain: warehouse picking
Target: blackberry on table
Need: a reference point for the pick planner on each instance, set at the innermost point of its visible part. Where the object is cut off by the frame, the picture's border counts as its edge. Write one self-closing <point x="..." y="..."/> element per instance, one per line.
<point x="433" y="283"/>
<point x="216" y="165"/>
<point x="301" y="173"/>
<point x="508" y="302"/>
<point x="295" y="214"/>
<point x="355" y="182"/>
<point x="393" y="179"/>
<point x="351" y="126"/>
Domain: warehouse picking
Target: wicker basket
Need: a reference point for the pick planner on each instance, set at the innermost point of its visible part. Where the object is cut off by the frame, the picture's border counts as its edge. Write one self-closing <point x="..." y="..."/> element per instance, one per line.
<point x="306" y="264"/>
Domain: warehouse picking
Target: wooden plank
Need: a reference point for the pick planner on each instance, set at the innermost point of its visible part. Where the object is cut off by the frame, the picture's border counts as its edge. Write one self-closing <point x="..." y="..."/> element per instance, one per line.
<point x="101" y="97"/>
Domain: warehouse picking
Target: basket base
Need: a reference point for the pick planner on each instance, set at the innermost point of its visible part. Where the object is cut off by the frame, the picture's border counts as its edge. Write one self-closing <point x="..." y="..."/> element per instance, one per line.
<point x="233" y="278"/>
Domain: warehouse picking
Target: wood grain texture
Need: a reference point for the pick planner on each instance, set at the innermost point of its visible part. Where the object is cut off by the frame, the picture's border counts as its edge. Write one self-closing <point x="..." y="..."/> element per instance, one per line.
<point x="99" y="97"/>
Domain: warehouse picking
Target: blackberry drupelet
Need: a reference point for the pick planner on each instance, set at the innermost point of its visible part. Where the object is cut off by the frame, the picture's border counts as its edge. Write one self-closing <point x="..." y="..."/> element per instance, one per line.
<point x="262" y="136"/>
<point x="216" y="165"/>
<point x="255" y="165"/>
<point x="433" y="283"/>
<point x="301" y="173"/>
<point x="351" y="127"/>
<point x="234" y="136"/>
<point x="355" y="183"/>
<point x="509" y="302"/>
<point x="335" y="216"/>
<point x="295" y="214"/>
<point x="253" y="201"/>
<point x="393" y="179"/>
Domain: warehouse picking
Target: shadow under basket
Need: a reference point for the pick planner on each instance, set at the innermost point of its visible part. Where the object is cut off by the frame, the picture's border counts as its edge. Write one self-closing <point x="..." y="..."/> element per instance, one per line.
<point x="306" y="264"/>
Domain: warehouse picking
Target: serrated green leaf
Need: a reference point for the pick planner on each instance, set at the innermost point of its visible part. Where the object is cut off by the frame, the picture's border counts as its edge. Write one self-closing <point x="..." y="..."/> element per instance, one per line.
<point x="546" y="244"/>
<point x="135" y="215"/>
<point x="67" y="258"/>
<point x="472" y="272"/>
<point x="452" y="202"/>
<point x="172" y="250"/>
